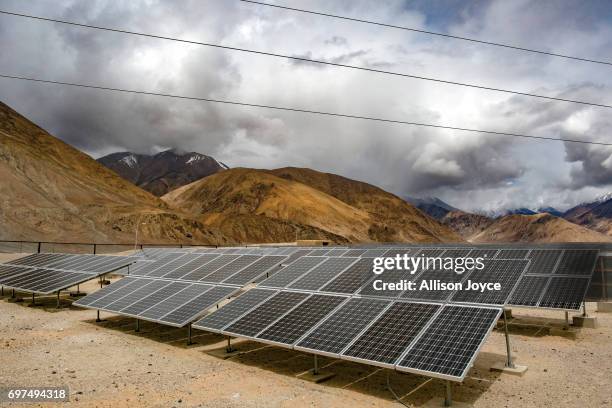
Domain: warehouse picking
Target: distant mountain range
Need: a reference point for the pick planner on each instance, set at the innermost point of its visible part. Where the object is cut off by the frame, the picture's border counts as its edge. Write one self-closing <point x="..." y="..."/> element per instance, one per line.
<point x="162" y="172"/>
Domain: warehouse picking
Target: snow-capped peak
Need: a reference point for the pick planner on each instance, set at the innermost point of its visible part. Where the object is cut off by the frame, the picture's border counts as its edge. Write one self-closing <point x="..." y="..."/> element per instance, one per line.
<point x="604" y="197"/>
<point x="130" y="160"/>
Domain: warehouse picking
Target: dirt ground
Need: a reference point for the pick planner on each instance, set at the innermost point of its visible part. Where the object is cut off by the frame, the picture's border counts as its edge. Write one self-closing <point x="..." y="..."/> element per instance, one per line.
<point x="108" y="364"/>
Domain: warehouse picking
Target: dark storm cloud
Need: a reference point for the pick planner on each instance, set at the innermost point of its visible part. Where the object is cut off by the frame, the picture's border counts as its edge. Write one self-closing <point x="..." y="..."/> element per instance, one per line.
<point x="469" y="168"/>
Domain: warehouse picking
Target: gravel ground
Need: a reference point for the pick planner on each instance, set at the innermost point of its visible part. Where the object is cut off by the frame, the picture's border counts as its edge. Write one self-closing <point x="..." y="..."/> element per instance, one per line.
<point x="108" y="364"/>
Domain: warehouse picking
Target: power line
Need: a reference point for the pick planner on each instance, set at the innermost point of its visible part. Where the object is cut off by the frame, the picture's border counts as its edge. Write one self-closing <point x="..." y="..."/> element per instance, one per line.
<point x="416" y="30"/>
<point x="309" y="60"/>
<point x="299" y="110"/>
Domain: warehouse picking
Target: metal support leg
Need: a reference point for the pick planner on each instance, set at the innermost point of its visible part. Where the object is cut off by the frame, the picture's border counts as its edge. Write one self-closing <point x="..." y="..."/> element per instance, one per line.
<point x="566" y="318"/>
<point x="315" y="370"/>
<point x="229" y="348"/>
<point x="78" y="291"/>
<point x="448" y="398"/>
<point x="13" y="294"/>
<point x="509" y="362"/>
<point x="33" y="300"/>
<point x="584" y="312"/>
<point x="58" y="300"/>
<point x="2" y="290"/>
<point x="98" y="316"/>
<point x="137" y="325"/>
<point x="189" y="342"/>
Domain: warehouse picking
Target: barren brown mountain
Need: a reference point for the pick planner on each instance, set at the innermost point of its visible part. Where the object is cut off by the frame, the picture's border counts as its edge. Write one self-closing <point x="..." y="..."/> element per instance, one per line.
<point x="536" y="228"/>
<point x="51" y="191"/>
<point x="278" y="205"/>
<point x="466" y="224"/>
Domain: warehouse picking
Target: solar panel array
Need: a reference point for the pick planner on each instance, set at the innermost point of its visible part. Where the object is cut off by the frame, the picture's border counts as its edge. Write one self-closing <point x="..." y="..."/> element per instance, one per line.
<point x="374" y="331"/>
<point x="49" y="273"/>
<point x="174" y="303"/>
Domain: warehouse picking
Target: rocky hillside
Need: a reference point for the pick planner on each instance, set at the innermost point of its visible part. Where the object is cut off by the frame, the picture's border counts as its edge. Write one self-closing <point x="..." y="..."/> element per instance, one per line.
<point x="278" y="205"/>
<point x="162" y="172"/>
<point x="466" y="224"/>
<point x="51" y="191"/>
<point x="536" y="228"/>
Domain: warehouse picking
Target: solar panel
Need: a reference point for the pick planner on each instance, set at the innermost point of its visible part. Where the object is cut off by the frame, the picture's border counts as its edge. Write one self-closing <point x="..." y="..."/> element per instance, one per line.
<point x="430" y="278"/>
<point x="292" y="272"/>
<point x="512" y="254"/>
<point x="354" y="252"/>
<point x="172" y="265"/>
<point x="565" y="292"/>
<point x="189" y="267"/>
<point x="387" y="338"/>
<point x="506" y="272"/>
<point x="296" y="323"/>
<point x="543" y="261"/>
<point x="399" y="251"/>
<point x="457" y="252"/>
<point x="265" y="314"/>
<point x="374" y="252"/>
<point x="116" y="303"/>
<point x="154" y="298"/>
<point x="256" y="269"/>
<point x="231" y="268"/>
<point x="529" y="290"/>
<point x="336" y="252"/>
<point x="322" y="273"/>
<point x="486" y="253"/>
<point x="196" y="307"/>
<point x="209" y="267"/>
<point x="7" y="271"/>
<point x="61" y="281"/>
<point x="448" y="346"/>
<point x="577" y="262"/>
<point x="173" y="302"/>
<point x="86" y="300"/>
<point x="353" y="278"/>
<point x="337" y="331"/>
<point x="232" y="311"/>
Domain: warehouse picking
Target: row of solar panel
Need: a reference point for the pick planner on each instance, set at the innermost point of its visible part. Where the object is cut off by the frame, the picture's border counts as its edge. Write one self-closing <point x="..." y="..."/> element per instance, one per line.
<point x="439" y="340"/>
<point x="211" y="268"/>
<point x="167" y="302"/>
<point x="37" y="280"/>
<point x="71" y="262"/>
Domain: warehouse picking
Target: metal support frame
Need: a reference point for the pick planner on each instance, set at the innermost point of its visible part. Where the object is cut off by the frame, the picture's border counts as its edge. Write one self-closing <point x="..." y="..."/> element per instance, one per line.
<point x="315" y="370"/>
<point x="448" y="397"/>
<point x="58" y="299"/>
<point x="13" y="294"/>
<point x="229" y="348"/>
<point x="137" y="325"/>
<point x="567" y="319"/>
<point x="2" y="289"/>
<point x="78" y="289"/>
<point x="33" y="300"/>
<point x="584" y="312"/>
<point x="509" y="362"/>
<point x="189" y="342"/>
<point x="98" y="316"/>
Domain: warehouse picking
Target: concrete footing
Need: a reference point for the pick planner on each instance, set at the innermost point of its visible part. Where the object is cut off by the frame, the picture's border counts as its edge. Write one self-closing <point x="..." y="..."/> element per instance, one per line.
<point x="582" y="321"/>
<point x="316" y="378"/>
<point x="518" y="370"/>
<point x="439" y="402"/>
<point x="604" y="307"/>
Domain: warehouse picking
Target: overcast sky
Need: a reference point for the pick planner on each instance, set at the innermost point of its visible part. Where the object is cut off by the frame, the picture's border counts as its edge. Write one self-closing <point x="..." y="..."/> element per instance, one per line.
<point x="470" y="171"/>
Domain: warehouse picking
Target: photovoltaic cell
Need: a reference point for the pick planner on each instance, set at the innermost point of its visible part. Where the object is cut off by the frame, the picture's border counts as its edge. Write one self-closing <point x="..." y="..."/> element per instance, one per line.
<point x="354" y="252"/>
<point x="577" y="262"/>
<point x="265" y="314"/>
<point x="292" y="272"/>
<point x="231" y="268"/>
<point x="449" y="345"/>
<point x="104" y="291"/>
<point x="190" y="266"/>
<point x="505" y="271"/>
<point x="353" y="278"/>
<point x="486" y="253"/>
<point x="132" y="297"/>
<point x="512" y="254"/>
<point x="529" y="290"/>
<point x="196" y="307"/>
<point x="256" y="269"/>
<point x="322" y="273"/>
<point x="232" y="311"/>
<point x="337" y="331"/>
<point x="154" y="298"/>
<point x="336" y="252"/>
<point x="543" y="261"/>
<point x="209" y="267"/>
<point x="565" y="292"/>
<point x="430" y="293"/>
<point x="296" y="323"/>
<point x="374" y="253"/>
<point x="174" y="302"/>
<point x="387" y="338"/>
